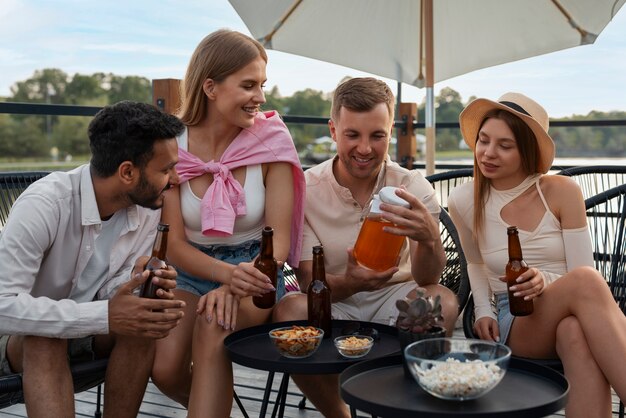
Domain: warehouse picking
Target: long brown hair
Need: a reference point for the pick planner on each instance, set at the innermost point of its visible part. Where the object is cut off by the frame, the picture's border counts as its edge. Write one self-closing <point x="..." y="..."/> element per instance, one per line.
<point x="217" y="56"/>
<point x="529" y="155"/>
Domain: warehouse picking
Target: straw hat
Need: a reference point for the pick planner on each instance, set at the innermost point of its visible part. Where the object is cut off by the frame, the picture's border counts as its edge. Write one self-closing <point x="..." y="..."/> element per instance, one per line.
<point x="521" y="106"/>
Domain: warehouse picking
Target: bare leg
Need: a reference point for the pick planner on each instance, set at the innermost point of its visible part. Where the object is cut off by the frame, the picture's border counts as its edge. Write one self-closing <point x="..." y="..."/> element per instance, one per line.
<point x="171" y="371"/>
<point x="212" y="381"/>
<point x="581" y="293"/>
<point x="127" y="375"/>
<point x="590" y="393"/>
<point x="321" y="390"/>
<point x="47" y="380"/>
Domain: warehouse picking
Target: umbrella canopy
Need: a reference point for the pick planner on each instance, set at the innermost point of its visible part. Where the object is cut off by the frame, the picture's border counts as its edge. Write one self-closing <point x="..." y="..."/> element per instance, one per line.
<point x="420" y="42"/>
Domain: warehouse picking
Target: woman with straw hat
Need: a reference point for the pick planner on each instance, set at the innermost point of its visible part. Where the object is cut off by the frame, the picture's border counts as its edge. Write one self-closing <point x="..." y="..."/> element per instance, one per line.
<point x="575" y="315"/>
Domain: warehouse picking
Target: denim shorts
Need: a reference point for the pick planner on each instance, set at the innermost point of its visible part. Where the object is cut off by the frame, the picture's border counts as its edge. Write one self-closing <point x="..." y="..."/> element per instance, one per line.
<point x="505" y="319"/>
<point x="231" y="254"/>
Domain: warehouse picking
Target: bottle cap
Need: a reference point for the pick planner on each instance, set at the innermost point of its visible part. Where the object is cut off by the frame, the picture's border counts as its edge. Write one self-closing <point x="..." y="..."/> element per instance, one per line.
<point x="388" y="195"/>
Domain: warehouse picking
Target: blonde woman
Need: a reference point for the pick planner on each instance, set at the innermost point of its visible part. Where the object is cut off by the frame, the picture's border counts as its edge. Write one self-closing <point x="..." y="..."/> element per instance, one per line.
<point x="239" y="172"/>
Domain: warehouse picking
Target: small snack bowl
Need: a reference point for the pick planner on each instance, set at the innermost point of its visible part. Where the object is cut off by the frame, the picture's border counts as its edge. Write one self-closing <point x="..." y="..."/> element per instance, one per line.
<point x="296" y="341"/>
<point x="354" y="346"/>
<point x="457" y="369"/>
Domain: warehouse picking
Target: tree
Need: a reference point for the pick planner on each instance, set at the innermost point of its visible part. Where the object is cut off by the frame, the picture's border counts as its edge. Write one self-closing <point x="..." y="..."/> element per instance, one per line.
<point x="85" y="87"/>
<point x="273" y="101"/>
<point x="134" y="88"/>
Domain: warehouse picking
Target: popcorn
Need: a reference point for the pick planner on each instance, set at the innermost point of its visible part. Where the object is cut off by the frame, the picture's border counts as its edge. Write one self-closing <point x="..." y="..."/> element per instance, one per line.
<point x="456" y="379"/>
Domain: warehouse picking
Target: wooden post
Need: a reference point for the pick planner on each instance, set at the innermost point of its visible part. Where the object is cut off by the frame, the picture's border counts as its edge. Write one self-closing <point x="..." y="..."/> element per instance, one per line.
<point x="407" y="142"/>
<point x="166" y="94"/>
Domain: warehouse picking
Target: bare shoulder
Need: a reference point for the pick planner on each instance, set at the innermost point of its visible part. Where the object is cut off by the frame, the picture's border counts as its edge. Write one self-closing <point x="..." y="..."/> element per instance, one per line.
<point x="554" y="184"/>
<point x="561" y="192"/>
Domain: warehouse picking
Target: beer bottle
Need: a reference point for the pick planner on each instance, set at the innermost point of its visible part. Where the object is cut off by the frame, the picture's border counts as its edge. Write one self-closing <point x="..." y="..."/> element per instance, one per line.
<point x="516" y="266"/>
<point x="267" y="265"/>
<point x="375" y="248"/>
<point x="157" y="261"/>
<point x="318" y="295"/>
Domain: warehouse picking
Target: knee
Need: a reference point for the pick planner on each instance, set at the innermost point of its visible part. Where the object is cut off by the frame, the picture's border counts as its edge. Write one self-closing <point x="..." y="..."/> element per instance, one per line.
<point x="291" y="307"/>
<point x="208" y="335"/>
<point x="43" y="351"/>
<point x="589" y="283"/>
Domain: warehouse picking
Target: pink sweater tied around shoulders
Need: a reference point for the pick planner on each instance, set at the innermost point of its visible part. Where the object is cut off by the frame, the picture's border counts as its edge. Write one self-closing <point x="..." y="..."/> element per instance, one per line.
<point x="267" y="141"/>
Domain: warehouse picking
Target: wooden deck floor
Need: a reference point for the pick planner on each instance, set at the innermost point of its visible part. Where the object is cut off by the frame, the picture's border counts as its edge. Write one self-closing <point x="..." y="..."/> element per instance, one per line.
<point x="250" y="384"/>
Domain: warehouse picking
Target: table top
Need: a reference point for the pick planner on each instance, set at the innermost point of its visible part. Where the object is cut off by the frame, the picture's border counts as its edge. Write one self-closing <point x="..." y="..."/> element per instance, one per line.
<point x="527" y="390"/>
<point x="251" y="347"/>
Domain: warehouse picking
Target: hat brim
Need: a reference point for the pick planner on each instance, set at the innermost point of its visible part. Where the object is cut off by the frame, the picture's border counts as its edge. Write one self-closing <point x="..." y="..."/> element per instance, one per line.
<point x="472" y="117"/>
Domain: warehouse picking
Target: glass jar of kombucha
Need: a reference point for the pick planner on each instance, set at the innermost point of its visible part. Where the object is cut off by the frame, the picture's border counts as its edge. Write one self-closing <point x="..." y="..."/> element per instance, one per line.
<point x="375" y="248"/>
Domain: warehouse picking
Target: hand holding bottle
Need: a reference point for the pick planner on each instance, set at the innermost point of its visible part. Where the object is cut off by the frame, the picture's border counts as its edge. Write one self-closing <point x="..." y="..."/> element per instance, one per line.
<point x="247" y="280"/>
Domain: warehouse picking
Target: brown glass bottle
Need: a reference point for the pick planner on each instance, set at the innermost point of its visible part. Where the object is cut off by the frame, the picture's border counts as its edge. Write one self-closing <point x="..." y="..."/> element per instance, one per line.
<point x="516" y="266"/>
<point x="267" y="265"/>
<point x="319" y="295"/>
<point x="157" y="261"/>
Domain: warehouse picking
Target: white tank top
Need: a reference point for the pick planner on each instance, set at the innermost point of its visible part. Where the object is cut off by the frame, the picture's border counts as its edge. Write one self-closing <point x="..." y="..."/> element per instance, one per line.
<point x="246" y="227"/>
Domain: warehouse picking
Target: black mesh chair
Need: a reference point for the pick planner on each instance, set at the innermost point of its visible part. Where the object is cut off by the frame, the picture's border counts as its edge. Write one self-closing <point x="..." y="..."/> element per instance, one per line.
<point x="606" y="216"/>
<point x="86" y="375"/>
<point x="12" y="184"/>
<point x="596" y="179"/>
<point x="454" y="275"/>
<point x="444" y="182"/>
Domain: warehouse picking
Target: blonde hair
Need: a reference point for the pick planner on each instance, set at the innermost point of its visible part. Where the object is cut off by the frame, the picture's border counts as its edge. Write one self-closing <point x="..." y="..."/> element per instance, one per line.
<point x="529" y="155"/>
<point x="217" y="56"/>
<point x="361" y="95"/>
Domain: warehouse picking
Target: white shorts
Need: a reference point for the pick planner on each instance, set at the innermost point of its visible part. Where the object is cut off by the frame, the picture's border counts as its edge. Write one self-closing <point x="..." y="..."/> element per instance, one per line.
<point x="373" y="306"/>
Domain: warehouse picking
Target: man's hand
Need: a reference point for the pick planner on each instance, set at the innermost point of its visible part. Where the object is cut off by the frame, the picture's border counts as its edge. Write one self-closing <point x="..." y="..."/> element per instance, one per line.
<point x="415" y="222"/>
<point x="141" y="317"/>
<point x="359" y="278"/>
<point x="164" y="279"/>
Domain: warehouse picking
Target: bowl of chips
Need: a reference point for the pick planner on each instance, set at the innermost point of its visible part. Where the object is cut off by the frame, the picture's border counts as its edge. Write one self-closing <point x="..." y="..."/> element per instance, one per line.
<point x="354" y="346"/>
<point x="296" y="341"/>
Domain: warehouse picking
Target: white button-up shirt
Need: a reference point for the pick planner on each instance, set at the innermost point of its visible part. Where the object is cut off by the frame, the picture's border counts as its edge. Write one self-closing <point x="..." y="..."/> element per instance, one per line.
<point x="44" y="248"/>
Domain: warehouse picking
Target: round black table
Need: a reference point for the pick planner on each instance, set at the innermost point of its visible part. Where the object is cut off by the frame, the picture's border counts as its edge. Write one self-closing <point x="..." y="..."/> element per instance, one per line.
<point x="379" y="387"/>
<point x="251" y="347"/>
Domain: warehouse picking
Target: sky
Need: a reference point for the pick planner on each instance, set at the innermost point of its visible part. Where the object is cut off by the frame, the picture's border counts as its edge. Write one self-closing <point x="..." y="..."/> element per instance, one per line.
<point x="155" y="38"/>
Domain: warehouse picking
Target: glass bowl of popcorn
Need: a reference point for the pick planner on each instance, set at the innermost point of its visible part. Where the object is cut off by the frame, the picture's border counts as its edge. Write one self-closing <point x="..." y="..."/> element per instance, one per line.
<point x="354" y="346"/>
<point x="455" y="368"/>
<point x="296" y="341"/>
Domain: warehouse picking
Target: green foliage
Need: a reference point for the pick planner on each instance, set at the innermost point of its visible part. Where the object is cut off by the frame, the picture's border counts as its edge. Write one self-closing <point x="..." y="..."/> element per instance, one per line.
<point x="30" y="136"/>
<point x="25" y="135"/>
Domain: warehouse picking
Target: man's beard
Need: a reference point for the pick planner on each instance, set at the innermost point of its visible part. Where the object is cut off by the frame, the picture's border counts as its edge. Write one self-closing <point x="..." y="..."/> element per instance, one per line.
<point x="146" y="195"/>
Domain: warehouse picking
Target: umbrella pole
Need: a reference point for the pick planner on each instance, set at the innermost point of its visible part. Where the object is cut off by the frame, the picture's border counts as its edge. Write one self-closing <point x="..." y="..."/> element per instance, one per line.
<point x="430" y="96"/>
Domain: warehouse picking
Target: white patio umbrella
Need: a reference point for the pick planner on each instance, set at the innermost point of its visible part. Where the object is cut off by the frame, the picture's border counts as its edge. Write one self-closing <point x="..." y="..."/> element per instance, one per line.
<point x="420" y="42"/>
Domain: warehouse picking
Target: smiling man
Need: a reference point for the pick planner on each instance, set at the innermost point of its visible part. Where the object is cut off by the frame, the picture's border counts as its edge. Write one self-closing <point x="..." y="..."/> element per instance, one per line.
<point x="67" y="252"/>
<point x="338" y="194"/>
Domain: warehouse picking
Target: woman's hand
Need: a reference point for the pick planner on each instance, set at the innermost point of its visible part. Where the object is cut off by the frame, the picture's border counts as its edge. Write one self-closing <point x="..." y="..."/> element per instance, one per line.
<point x="530" y="284"/>
<point x="220" y="304"/>
<point x="247" y="280"/>
<point x="487" y="329"/>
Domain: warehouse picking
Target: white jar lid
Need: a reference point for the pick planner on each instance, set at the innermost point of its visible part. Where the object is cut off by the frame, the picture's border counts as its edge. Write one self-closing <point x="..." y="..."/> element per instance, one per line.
<point x="388" y="195"/>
